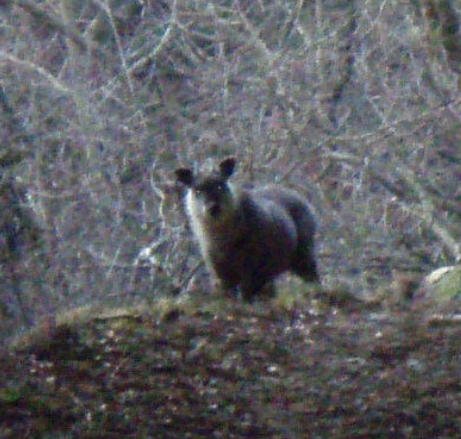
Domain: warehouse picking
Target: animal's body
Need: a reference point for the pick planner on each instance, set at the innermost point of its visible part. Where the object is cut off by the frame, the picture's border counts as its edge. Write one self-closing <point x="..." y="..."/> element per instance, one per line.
<point x="248" y="237"/>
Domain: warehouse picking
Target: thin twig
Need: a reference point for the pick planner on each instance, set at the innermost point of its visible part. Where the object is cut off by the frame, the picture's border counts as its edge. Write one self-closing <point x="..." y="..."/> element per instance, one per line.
<point x="107" y="10"/>
<point x="166" y="38"/>
<point x="45" y="74"/>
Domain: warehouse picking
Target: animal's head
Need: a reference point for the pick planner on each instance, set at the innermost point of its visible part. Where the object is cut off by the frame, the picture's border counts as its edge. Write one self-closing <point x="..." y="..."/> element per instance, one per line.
<point x="211" y="195"/>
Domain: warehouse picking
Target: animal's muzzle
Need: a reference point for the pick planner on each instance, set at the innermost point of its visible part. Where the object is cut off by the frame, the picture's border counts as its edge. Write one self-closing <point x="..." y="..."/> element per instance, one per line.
<point x="214" y="210"/>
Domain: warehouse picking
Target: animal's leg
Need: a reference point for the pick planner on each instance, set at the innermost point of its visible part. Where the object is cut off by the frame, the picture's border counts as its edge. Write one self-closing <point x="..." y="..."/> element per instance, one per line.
<point x="254" y="288"/>
<point x="304" y="264"/>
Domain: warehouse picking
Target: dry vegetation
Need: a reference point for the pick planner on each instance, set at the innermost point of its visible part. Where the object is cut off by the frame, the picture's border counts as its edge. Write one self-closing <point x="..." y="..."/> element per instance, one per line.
<point x="355" y="104"/>
<point x="221" y="370"/>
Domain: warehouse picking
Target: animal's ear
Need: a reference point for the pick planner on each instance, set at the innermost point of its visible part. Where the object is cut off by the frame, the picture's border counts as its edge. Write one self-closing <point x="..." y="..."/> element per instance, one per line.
<point x="226" y="167"/>
<point x="185" y="176"/>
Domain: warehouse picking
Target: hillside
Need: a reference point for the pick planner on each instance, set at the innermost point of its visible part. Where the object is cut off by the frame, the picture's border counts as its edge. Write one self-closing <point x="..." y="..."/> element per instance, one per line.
<point x="201" y="370"/>
<point x="354" y="104"/>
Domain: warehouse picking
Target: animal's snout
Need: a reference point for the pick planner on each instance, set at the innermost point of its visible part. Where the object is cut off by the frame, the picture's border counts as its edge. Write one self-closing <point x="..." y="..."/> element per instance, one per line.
<point x="214" y="209"/>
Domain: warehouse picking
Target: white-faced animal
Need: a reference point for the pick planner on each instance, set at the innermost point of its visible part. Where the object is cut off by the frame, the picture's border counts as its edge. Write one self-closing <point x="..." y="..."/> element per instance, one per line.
<point x="248" y="237"/>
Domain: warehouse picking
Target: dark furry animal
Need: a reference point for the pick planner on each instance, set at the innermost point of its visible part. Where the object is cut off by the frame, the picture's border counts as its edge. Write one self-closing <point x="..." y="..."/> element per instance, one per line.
<point x="249" y="236"/>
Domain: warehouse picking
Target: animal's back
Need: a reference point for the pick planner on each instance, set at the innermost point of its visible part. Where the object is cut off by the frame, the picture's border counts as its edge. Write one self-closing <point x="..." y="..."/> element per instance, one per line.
<point x="296" y="205"/>
<point x="303" y="261"/>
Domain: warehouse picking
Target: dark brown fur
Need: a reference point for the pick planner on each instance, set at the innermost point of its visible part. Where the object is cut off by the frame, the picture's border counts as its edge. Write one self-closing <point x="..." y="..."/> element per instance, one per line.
<point x="249" y="236"/>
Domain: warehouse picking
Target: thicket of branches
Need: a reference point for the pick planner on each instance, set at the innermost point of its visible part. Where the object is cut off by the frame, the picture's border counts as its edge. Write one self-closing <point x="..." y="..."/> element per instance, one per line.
<point x="356" y="104"/>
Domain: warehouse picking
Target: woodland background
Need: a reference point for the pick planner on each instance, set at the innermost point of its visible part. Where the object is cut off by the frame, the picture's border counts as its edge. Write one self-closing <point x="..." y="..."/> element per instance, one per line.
<point x="354" y="103"/>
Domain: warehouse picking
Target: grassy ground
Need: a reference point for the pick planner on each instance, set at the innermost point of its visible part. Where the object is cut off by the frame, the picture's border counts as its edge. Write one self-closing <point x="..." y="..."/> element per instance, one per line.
<point x="221" y="369"/>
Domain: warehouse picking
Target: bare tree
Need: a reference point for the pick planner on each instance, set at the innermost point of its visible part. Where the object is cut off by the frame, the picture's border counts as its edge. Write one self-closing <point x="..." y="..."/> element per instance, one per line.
<point x="356" y="104"/>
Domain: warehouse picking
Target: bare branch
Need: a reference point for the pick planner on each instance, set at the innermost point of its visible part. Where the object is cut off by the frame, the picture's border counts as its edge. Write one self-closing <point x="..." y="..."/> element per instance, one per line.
<point x="428" y="212"/>
<point x="257" y="40"/>
<point x="63" y="28"/>
<point x="28" y="65"/>
<point x="164" y="41"/>
<point x="107" y="10"/>
<point x="423" y="207"/>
